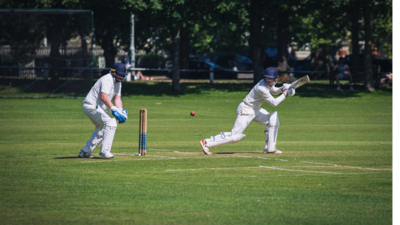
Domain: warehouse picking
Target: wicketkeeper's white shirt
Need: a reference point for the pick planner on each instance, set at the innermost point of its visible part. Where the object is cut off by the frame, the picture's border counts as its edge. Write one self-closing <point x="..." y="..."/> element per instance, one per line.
<point x="261" y="93"/>
<point x="106" y="84"/>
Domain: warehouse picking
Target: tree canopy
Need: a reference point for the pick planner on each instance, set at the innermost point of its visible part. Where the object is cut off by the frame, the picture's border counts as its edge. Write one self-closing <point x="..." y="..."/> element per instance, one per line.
<point x="242" y="26"/>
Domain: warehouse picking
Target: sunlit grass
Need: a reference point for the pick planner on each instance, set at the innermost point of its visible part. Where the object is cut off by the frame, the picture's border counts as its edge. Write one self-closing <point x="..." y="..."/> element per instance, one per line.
<point x="336" y="166"/>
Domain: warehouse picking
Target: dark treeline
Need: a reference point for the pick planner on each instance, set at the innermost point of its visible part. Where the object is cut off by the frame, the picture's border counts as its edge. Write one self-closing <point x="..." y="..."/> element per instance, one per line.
<point x="184" y="27"/>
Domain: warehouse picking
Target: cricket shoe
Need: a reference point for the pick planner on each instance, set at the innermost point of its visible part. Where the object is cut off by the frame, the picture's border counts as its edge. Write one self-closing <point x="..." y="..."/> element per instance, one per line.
<point x="106" y="155"/>
<point x="205" y="149"/>
<point x="83" y="154"/>
<point x="274" y="152"/>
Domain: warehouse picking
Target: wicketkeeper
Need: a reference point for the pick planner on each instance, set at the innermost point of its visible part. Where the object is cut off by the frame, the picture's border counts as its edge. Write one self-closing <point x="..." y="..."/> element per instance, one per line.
<point x="250" y="110"/>
<point x="95" y="105"/>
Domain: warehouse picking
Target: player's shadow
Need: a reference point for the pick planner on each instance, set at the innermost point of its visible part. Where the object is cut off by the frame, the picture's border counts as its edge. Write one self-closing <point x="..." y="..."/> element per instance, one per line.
<point x="67" y="157"/>
<point x="76" y="157"/>
<point x="231" y="153"/>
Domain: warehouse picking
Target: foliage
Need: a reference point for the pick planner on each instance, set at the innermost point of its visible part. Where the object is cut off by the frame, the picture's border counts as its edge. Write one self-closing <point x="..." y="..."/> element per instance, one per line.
<point x="328" y="22"/>
<point x="23" y="37"/>
<point x="150" y="60"/>
<point x="222" y="25"/>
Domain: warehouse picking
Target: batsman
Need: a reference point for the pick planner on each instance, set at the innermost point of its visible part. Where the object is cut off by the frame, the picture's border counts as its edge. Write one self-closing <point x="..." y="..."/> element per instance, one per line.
<point x="250" y="110"/>
<point x="95" y="106"/>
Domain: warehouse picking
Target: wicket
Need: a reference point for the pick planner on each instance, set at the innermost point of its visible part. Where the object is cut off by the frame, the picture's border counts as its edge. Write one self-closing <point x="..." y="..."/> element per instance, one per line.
<point x="143" y="132"/>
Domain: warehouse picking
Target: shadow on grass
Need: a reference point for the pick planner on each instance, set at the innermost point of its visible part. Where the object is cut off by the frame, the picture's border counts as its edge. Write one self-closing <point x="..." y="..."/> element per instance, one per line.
<point x="43" y="88"/>
<point x="193" y="87"/>
<point x="67" y="157"/>
<point x="76" y="157"/>
<point x="315" y="90"/>
<point x="165" y="89"/>
<point x="319" y="90"/>
<point x="231" y="153"/>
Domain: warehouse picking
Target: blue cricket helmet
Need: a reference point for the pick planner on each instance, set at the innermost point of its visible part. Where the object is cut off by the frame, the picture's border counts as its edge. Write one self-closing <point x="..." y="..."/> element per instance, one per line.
<point x="271" y="72"/>
<point x="119" y="68"/>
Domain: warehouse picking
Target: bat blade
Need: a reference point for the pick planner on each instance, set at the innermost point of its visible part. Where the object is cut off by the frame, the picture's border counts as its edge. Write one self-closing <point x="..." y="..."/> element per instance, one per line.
<point x="300" y="82"/>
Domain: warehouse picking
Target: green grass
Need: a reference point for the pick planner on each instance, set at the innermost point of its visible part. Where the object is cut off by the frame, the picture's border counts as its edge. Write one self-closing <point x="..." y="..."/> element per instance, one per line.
<point x="336" y="166"/>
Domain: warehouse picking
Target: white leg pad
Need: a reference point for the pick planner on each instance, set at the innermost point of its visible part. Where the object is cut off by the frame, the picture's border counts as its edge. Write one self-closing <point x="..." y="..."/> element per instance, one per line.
<point x="222" y="139"/>
<point x="110" y="126"/>
<point x="272" y="132"/>
<point x="94" y="141"/>
<point x="266" y="139"/>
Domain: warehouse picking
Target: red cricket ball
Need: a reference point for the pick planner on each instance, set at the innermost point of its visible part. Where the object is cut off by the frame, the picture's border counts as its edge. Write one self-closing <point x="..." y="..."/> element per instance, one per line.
<point x="192" y="113"/>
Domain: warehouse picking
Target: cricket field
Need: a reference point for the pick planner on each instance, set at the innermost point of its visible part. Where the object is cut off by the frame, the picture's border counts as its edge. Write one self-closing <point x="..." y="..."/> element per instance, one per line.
<point x="336" y="166"/>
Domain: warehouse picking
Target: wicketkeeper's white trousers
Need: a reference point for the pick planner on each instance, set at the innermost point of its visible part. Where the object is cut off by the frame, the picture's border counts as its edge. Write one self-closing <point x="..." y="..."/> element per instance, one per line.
<point x="105" y="127"/>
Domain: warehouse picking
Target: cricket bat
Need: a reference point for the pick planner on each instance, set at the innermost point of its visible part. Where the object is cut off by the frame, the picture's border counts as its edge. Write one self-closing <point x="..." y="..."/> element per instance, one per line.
<point x="300" y="82"/>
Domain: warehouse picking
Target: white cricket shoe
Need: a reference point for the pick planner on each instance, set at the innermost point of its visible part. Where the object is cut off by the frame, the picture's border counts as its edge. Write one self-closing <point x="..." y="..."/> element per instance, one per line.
<point x="205" y="149"/>
<point x="83" y="154"/>
<point x="106" y="155"/>
<point x="274" y="152"/>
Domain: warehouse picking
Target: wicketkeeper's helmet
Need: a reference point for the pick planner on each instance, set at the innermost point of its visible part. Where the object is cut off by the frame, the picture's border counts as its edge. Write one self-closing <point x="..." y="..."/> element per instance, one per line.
<point x="120" y="69"/>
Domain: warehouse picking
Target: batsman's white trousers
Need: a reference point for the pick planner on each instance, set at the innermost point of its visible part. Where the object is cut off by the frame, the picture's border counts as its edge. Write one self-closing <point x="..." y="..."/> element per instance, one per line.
<point x="246" y="114"/>
<point x="105" y="127"/>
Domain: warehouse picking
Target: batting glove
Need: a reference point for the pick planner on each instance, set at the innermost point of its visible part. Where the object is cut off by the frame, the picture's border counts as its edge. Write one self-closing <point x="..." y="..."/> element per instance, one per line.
<point x="285" y="87"/>
<point x="291" y="92"/>
<point x="117" y="114"/>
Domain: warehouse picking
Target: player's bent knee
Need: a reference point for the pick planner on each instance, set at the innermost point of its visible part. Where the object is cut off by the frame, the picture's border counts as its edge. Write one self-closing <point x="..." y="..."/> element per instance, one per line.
<point x="111" y="123"/>
<point x="274" y="120"/>
<point x="237" y="137"/>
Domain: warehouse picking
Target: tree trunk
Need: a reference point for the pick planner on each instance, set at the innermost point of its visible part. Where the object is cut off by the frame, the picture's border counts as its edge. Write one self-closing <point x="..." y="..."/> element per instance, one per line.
<point x="283" y="35"/>
<point x="255" y="40"/>
<point x="108" y="46"/>
<point x="355" y="40"/>
<point x="55" y="63"/>
<point x="184" y="49"/>
<point x="55" y="40"/>
<point x="368" y="74"/>
<point x="86" y="61"/>
<point x="175" y="68"/>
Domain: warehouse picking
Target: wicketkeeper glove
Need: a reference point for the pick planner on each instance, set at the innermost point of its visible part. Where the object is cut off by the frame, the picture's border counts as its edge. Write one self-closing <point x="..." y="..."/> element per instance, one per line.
<point x="118" y="114"/>
<point x="124" y="112"/>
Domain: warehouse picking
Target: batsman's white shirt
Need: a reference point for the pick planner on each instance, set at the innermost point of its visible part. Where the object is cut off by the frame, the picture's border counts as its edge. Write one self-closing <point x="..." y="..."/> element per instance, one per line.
<point x="106" y="84"/>
<point x="261" y="93"/>
<point x="250" y="109"/>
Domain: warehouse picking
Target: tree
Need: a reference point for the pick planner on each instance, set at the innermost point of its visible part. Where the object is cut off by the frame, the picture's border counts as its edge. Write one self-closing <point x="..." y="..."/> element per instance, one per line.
<point x="255" y="40"/>
<point x="171" y="13"/>
<point x="228" y="25"/>
<point x="355" y="31"/>
<point x="368" y="74"/>
<point x="176" y="62"/>
<point x="111" y="21"/>
<point x="24" y="33"/>
<point x="194" y="21"/>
